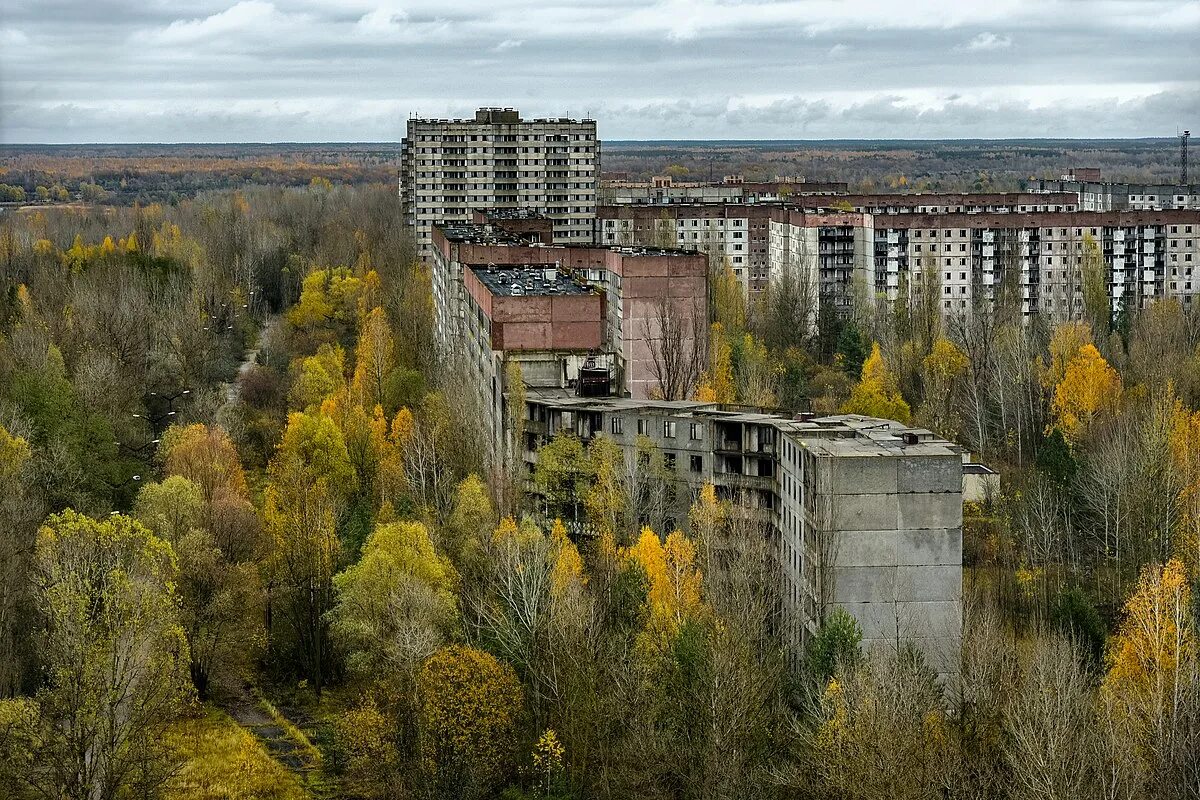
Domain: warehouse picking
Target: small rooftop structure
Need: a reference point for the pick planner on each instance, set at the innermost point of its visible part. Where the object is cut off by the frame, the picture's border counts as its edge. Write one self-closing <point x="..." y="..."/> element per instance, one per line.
<point x="511" y="213"/>
<point x="533" y="280"/>
<point x="478" y="233"/>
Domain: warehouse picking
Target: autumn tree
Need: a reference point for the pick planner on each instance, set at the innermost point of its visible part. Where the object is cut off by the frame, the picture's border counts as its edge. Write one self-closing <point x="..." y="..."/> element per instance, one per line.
<point x="728" y="300"/>
<point x="757" y="375"/>
<point x="471" y="521"/>
<point x="532" y="601"/>
<point x="1153" y="674"/>
<point x="317" y="376"/>
<point x="396" y="605"/>
<point x="20" y="508"/>
<point x="1053" y="747"/>
<point x="717" y="383"/>
<point x="941" y="371"/>
<point x="373" y="362"/>
<point x="882" y="731"/>
<point x="561" y="475"/>
<point x="219" y="589"/>
<point x="877" y="393"/>
<point x="206" y="456"/>
<point x="470" y="708"/>
<point x="310" y="480"/>
<point x="1089" y="387"/>
<point x="607" y="498"/>
<point x="673" y="581"/>
<point x="116" y="660"/>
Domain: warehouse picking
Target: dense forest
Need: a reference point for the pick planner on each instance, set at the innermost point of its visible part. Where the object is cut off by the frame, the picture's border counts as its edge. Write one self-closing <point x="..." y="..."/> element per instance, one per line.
<point x="251" y="547"/>
<point x="976" y="165"/>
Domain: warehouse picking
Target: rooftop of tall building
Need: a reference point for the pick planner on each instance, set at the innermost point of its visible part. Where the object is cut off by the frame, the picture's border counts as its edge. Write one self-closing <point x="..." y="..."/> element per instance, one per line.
<point x="528" y="280"/>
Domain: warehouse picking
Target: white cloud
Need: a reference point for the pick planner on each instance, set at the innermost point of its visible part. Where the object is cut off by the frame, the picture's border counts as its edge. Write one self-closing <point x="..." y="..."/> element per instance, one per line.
<point x="247" y="16"/>
<point x="989" y="41"/>
<point x="839" y="49"/>
<point x="508" y="44"/>
<point x="11" y="37"/>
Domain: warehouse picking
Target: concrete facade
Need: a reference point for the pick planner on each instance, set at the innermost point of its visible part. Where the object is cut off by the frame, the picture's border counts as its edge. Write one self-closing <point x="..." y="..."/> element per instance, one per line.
<point x="453" y="167"/>
<point x="863" y="514"/>
<point x="970" y="248"/>
<point x="1097" y="195"/>
<point x="637" y="285"/>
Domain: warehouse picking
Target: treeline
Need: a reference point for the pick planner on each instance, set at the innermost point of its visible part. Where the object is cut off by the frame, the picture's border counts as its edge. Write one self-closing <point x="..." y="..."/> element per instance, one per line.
<point x="125" y="174"/>
<point x="943" y="166"/>
<point x="331" y="531"/>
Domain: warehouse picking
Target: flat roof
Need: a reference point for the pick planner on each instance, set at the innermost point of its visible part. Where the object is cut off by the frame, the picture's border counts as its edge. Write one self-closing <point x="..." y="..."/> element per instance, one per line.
<point x="528" y="280"/>
<point x="834" y="435"/>
<point x="478" y="233"/>
<point x="513" y="213"/>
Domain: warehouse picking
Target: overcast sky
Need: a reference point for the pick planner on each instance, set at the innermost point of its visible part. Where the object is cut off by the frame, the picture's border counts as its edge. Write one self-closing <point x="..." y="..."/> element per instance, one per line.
<point x="305" y="70"/>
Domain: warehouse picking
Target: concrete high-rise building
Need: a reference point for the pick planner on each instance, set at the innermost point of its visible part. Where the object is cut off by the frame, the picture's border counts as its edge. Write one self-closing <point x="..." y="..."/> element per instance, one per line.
<point x="453" y="167"/>
<point x="640" y="289"/>
<point x="968" y="245"/>
<point x="859" y="513"/>
<point x="1096" y="195"/>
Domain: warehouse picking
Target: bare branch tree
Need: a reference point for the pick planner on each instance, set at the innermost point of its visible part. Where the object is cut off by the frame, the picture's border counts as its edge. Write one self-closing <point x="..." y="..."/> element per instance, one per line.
<point x="676" y="333"/>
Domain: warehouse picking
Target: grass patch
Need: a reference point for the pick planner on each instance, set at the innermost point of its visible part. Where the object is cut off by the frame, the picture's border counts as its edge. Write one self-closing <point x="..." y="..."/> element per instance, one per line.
<point x="223" y="761"/>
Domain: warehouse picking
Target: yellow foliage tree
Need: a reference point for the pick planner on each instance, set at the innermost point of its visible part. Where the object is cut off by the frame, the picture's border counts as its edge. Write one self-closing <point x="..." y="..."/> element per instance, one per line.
<point x="1089" y="387"/>
<point x="1065" y="343"/>
<point x="374" y="360"/>
<point x="566" y="569"/>
<point x="941" y="370"/>
<point x="1153" y="657"/>
<point x="878" y="392"/>
<point x="607" y="498"/>
<point x="729" y="300"/>
<point x="673" y="583"/>
<point x="1185" y="456"/>
<point x="470" y="703"/>
<point x="716" y="384"/>
<point x="328" y="297"/>
<point x="395" y="604"/>
<point x="204" y="455"/>
<point x="316" y="377"/>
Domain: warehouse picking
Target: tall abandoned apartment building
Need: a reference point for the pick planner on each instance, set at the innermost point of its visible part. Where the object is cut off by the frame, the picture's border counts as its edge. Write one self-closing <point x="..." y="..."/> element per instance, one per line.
<point x="968" y="248"/>
<point x="452" y="167"/>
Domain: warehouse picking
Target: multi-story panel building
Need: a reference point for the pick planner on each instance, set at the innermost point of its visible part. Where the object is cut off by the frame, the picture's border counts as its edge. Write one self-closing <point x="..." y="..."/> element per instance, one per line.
<point x="740" y="232"/>
<point x="740" y="235"/>
<point x="451" y="167"/>
<point x="1095" y="195"/>
<point x="965" y="244"/>
<point x="860" y="513"/>
<point x="663" y="190"/>
<point x="1038" y="260"/>
<point x="644" y="289"/>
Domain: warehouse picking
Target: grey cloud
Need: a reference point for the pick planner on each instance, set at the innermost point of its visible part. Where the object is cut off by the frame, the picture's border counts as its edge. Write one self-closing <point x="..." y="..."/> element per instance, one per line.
<point x="219" y="70"/>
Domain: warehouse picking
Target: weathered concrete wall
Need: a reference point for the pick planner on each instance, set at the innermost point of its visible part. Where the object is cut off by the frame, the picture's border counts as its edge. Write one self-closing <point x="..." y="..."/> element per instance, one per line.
<point x="897" y="549"/>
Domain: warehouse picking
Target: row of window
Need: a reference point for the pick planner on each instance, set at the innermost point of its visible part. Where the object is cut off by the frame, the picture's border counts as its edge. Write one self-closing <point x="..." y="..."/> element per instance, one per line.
<point x="644" y="426"/>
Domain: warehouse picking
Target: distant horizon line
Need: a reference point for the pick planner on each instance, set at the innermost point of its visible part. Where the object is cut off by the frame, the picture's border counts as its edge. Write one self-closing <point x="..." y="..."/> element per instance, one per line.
<point x="831" y="140"/>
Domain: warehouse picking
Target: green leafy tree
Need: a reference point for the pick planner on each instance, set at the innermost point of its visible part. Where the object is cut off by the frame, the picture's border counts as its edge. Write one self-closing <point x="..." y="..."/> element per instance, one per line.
<point x="836" y="645"/>
<point x="852" y="349"/>
<point x="561" y="476"/>
<point x="395" y="606"/>
<point x="116" y="660"/>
